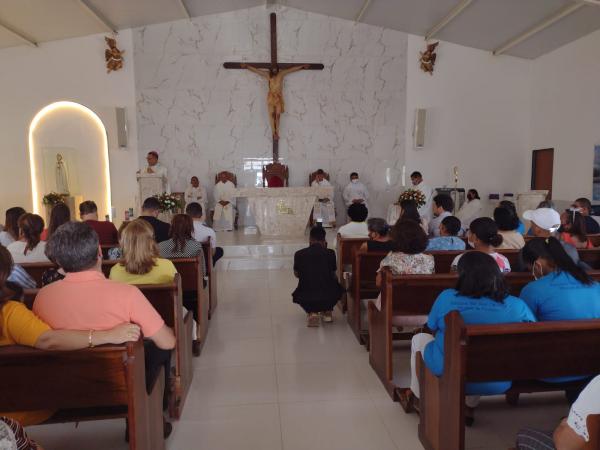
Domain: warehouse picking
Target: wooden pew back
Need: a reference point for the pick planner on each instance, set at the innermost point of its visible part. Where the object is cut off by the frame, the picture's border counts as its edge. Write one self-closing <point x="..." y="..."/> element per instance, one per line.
<point x="443" y="259"/>
<point x="103" y="382"/>
<point x="364" y="272"/>
<point x="521" y="351"/>
<point x="211" y="273"/>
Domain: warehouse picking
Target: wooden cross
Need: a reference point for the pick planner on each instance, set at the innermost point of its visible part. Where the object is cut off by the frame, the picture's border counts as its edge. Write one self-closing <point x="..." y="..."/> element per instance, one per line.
<point x="274" y="67"/>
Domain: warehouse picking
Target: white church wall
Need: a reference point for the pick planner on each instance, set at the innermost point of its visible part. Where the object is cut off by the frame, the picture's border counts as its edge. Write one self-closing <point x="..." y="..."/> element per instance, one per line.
<point x="203" y="118"/>
<point x="74" y="70"/>
<point x="565" y="114"/>
<point x="477" y="118"/>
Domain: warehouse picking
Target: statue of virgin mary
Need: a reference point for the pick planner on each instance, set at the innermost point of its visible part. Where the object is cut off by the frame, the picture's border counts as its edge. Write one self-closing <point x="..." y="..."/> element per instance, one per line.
<point x="62" y="177"/>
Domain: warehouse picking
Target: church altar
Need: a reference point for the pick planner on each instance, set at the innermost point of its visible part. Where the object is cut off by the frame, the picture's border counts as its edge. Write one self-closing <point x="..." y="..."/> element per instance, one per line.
<point x="282" y="211"/>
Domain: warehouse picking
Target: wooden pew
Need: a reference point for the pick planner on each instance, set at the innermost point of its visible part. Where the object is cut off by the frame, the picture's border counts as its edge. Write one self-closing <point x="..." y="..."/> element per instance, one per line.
<point x="192" y="280"/>
<point x="167" y="300"/>
<point x="99" y="383"/>
<point x="345" y="250"/>
<point x="413" y="295"/>
<point x="443" y="259"/>
<point x="211" y="273"/>
<point x="521" y="351"/>
<point x="364" y="272"/>
<point x="36" y="270"/>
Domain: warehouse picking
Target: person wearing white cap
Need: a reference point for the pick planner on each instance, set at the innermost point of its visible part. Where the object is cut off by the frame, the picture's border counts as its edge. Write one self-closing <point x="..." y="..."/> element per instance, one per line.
<point x="545" y="222"/>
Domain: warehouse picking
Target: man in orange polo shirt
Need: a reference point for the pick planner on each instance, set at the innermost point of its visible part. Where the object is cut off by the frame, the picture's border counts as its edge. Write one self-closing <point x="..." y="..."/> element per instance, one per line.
<point x="86" y="300"/>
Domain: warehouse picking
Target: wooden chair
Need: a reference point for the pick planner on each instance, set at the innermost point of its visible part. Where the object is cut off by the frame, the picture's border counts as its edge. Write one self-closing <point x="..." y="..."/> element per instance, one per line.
<point x="211" y="273"/>
<point x="92" y="384"/>
<point x="520" y="352"/>
<point x="275" y="175"/>
<point x="229" y="177"/>
<point x="345" y="249"/>
<point x="364" y="272"/>
<point x="193" y="280"/>
<point x="167" y="300"/>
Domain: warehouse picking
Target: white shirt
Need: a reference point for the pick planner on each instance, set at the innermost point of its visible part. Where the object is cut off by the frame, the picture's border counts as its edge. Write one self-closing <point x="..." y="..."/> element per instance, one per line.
<point x="224" y="192"/>
<point x="587" y="403"/>
<point x="6" y="238"/>
<point x="434" y="225"/>
<point x="468" y="212"/>
<point x="195" y="194"/>
<point x="17" y="249"/>
<point x="355" y="191"/>
<point x="354" y="229"/>
<point x="425" y="210"/>
<point x="324" y="183"/>
<point x="159" y="171"/>
<point x="202" y="233"/>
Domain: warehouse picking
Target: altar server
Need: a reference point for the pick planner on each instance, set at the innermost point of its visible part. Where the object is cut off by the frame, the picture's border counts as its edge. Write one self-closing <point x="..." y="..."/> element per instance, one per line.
<point x="195" y="193"/>
<point x="323" y="210"/>
<point x="223" y="218"/>
<point x="470" y="210"/>
<point x="355" y="191"/>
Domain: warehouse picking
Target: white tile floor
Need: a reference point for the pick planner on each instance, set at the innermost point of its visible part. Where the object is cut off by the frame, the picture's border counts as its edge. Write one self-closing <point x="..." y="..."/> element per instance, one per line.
<point x="264" y="381"/>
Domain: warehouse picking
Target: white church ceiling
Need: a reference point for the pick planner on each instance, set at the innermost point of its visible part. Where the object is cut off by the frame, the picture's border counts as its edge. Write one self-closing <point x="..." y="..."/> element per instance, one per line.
<point x="483" y="24"/>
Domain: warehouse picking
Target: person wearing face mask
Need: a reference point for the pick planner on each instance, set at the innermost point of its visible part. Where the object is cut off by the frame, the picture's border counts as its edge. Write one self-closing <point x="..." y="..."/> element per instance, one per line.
<point x="483" y="236"/>
<point x="561" y="290"/>
<point x="355" y="191"/>
<point x="470" y="210"/>
<point x="379" y="237"/>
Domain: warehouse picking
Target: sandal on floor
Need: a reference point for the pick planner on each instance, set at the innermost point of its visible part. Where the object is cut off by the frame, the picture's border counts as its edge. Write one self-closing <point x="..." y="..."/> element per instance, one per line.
<point x="408" y="401"/>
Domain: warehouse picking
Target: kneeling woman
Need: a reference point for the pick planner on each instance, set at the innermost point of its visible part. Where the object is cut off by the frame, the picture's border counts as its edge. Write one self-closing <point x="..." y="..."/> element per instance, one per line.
<point x="481" y="297"/>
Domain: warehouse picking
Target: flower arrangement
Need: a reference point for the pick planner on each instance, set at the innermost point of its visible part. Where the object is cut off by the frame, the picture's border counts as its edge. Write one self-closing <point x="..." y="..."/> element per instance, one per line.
<point x="169" y="202"/>
<point x="53" y="198"/>
<point x="415" y="195"/>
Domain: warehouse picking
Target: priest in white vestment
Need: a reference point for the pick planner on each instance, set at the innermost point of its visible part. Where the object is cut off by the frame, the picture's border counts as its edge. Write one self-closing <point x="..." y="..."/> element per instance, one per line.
<point x="470" y="210"/>
<point x="224" y="215"/>
<point x="417" y="182"/>
<point x="195" y="193"/>
<point x="154" y="168"/>
<point x="355" y="191"/>
<point x="323" y="209"/>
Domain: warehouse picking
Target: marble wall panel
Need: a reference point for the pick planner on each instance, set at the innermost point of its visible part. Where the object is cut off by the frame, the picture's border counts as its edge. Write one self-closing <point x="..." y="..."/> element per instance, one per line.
<point x="203" y="118"/>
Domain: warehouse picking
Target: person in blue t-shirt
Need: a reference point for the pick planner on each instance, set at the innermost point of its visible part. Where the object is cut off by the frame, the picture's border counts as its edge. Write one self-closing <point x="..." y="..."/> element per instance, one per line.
<point x="481" y="297"/>
<point x="562" y="290"/>
<point x="448" y="240"/>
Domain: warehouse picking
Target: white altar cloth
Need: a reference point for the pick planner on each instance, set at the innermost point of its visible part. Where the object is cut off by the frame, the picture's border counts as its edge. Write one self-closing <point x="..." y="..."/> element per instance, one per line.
<point x="282" y="211"/>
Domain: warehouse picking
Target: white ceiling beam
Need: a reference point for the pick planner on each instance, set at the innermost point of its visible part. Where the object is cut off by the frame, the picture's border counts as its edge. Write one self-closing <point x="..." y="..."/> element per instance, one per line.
<point x="20" y="36"/>
<point x="558" y="15"/>
<point x="448" y="18"/>
<point x="184" y="9"/>
<point x="362" y="11"/>
<point x="103" y="21"/>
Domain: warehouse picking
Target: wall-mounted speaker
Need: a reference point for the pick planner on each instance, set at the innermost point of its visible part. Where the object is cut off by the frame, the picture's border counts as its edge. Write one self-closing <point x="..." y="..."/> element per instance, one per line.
<point x="121" y="127"/>
<point x="419" y="128"/>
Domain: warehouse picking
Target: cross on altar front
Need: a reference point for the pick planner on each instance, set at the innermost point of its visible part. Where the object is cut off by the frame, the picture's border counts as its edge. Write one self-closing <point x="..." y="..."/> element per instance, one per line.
<point x="274" y="72"/>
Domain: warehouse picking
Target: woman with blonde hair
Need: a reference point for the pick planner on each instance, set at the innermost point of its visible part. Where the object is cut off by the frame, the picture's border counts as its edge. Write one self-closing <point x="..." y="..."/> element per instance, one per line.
<point x="141" y="263"/>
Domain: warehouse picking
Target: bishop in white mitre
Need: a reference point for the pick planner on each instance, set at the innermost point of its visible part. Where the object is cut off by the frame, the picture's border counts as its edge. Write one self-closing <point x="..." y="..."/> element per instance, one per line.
<point x="323" y="209"/>
<point x="155" y="169"/>
<point x="224" y="195"/>
<point x="355" y="191"/>
<point x="195" y="193"/>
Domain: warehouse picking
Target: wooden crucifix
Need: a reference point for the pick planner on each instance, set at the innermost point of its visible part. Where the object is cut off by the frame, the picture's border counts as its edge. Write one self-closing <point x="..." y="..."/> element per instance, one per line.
<point x="274" y="72"/>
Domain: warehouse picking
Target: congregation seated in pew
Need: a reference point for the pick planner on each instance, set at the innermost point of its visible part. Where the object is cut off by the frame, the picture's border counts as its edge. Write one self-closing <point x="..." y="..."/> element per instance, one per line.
<point x="573" y="230"/>
<point x="379" y="236"/>
<point x="357" y="227"/>
<point x="86" y="300"/>
<point x="107" y="232"/>
<point x="481" y="297"/>
<point x="572" y="433"/>
<point x="150" y="212"/>
<point x="20" y="326"/>
<point x="584" y="207"/>
<point x="448" y="238"/>
<point x="59" y="214"/>
<point x="508" y="223"/>
<point x="483" y="237"/>
<point x="409" y="210"/>
<point x="10" y="233"/>
<point x="442" y="206"/>
<point x="203" y="233"/>
<point x="29" y="247"/>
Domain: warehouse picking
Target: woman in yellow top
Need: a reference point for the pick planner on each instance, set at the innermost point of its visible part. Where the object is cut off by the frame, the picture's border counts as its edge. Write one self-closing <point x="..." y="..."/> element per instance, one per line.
<point x="19" y="326"/>
<point x="140" y="263"/>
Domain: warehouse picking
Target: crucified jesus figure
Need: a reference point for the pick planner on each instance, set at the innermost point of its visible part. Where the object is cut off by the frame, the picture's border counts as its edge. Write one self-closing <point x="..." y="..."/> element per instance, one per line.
<point x="275" y="103"/>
